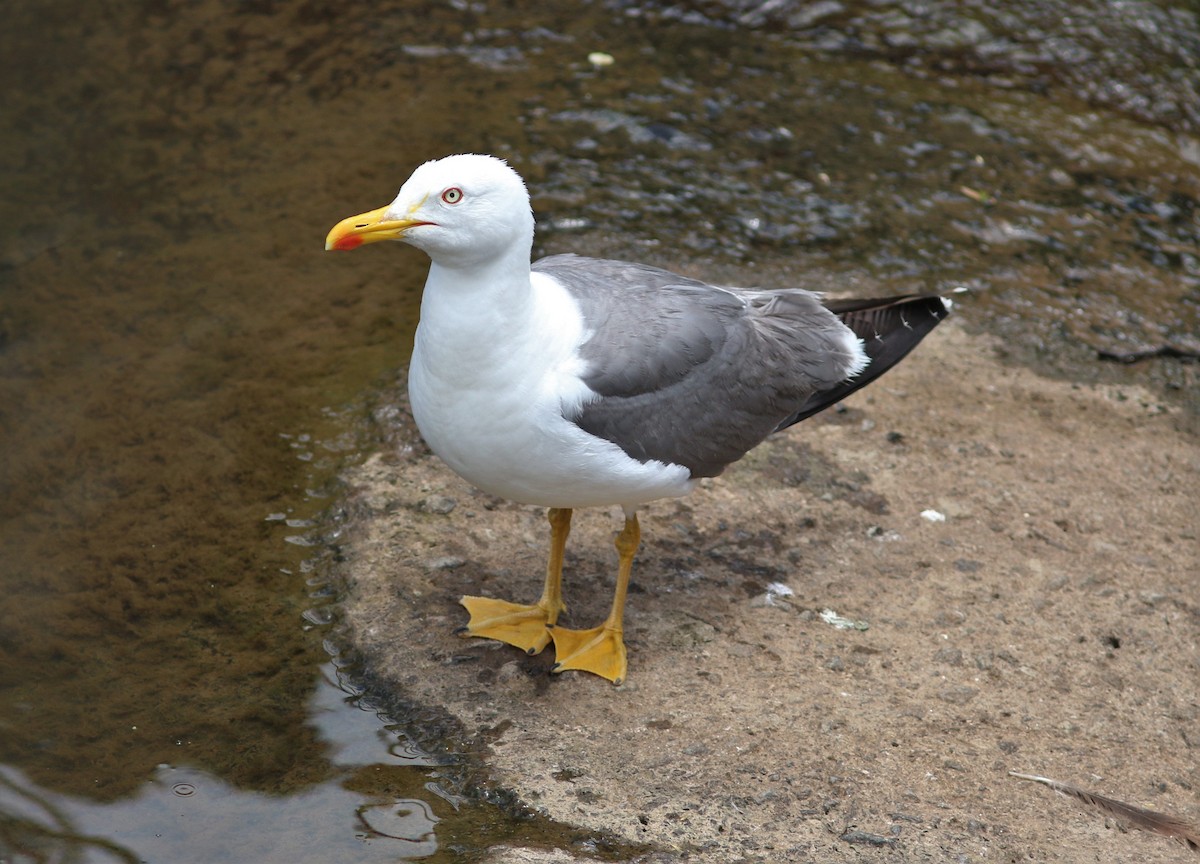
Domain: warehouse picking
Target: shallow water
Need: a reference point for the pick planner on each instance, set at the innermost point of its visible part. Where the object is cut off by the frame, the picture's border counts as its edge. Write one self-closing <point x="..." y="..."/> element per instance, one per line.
<point x="183" y="370"/>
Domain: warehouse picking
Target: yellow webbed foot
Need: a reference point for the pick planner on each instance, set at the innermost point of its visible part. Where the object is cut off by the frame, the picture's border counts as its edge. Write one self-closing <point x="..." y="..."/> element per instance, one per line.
<point x="600" y="651"/>
<point x="526" y="627"/>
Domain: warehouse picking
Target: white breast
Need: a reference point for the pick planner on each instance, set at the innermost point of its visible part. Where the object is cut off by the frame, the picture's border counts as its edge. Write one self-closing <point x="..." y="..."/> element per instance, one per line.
<point x="490" y="383"/>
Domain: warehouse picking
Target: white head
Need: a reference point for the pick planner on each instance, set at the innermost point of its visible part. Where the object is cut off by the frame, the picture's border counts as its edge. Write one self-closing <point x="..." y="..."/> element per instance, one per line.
<point x="462" y="211"/>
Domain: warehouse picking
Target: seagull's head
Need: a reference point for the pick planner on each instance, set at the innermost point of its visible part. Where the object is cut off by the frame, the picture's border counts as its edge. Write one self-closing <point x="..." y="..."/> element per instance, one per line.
<point x="461" y="211"/>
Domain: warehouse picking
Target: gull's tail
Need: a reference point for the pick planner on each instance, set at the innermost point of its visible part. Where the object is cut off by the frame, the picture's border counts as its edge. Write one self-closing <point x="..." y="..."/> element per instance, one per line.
<point x="889" y="329"/>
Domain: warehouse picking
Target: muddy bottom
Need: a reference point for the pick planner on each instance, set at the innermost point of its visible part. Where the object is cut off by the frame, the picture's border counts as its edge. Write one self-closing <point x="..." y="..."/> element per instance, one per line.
<point x="1048" y="625"/>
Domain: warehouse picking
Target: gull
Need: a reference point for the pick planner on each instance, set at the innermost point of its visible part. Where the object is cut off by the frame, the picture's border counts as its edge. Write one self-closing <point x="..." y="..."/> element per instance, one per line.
<point x="584" y="382"/>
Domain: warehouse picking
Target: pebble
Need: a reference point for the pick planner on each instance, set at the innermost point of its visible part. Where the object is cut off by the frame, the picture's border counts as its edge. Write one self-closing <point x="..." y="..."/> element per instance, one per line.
<point x="866" y="838"/>
<point x="691" y="634"/>
<point x="447" y="562"/>
<point x="957" y="695"/>
<point x="949" y="656"/>
<point x="439" y="504"/>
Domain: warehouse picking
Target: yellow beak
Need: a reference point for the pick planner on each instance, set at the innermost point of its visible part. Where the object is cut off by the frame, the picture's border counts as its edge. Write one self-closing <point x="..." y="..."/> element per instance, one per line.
<point x="367" y="228"/>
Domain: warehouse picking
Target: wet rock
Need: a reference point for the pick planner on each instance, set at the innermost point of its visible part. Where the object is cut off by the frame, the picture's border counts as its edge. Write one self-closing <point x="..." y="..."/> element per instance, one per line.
<point x="639" y="130"/>
<point x="1086" y="47"/>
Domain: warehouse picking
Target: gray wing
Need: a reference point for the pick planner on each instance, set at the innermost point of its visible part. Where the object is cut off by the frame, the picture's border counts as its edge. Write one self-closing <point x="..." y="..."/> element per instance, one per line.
<point x="691" y="374"/>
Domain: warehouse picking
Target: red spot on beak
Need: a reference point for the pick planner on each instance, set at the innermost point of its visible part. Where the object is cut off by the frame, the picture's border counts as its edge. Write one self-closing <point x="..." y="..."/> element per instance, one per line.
<point x="345" y="244"/>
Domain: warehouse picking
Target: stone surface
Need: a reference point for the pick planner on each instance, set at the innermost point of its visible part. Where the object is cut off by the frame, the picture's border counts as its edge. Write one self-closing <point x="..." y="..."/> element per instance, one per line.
<point x="1051" y="625"/>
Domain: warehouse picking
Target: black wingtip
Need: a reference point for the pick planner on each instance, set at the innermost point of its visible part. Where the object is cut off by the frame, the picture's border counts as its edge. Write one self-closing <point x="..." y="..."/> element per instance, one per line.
<point x="889" y="328"/>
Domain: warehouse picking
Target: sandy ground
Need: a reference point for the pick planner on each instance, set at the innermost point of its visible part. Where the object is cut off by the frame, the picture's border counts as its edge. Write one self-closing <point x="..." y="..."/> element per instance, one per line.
<point x="1050" y="624"/>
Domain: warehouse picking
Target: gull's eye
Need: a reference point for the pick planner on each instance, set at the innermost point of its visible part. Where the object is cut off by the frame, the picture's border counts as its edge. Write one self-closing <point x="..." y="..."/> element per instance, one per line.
<point x="452" y="195"/>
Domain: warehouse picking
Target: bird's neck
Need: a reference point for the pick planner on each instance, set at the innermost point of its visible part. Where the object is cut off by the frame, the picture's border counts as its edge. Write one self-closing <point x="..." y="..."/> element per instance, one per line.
<point x="470" y="311"/>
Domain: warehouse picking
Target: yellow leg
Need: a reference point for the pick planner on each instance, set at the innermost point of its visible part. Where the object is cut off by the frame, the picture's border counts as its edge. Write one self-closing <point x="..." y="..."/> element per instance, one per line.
<point x="601" y="650"/>
<point x="526" y="627"/>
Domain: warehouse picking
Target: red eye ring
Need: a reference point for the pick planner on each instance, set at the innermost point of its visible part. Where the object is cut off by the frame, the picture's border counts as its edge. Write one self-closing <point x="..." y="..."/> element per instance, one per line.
<point x="452" y="195"/>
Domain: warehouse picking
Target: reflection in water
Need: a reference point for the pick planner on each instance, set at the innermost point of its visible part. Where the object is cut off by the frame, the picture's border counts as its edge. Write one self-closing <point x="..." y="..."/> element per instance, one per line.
<point x="409" y="821"/>
<point x="36" y="828"/>
<point x="185" y="814"/>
